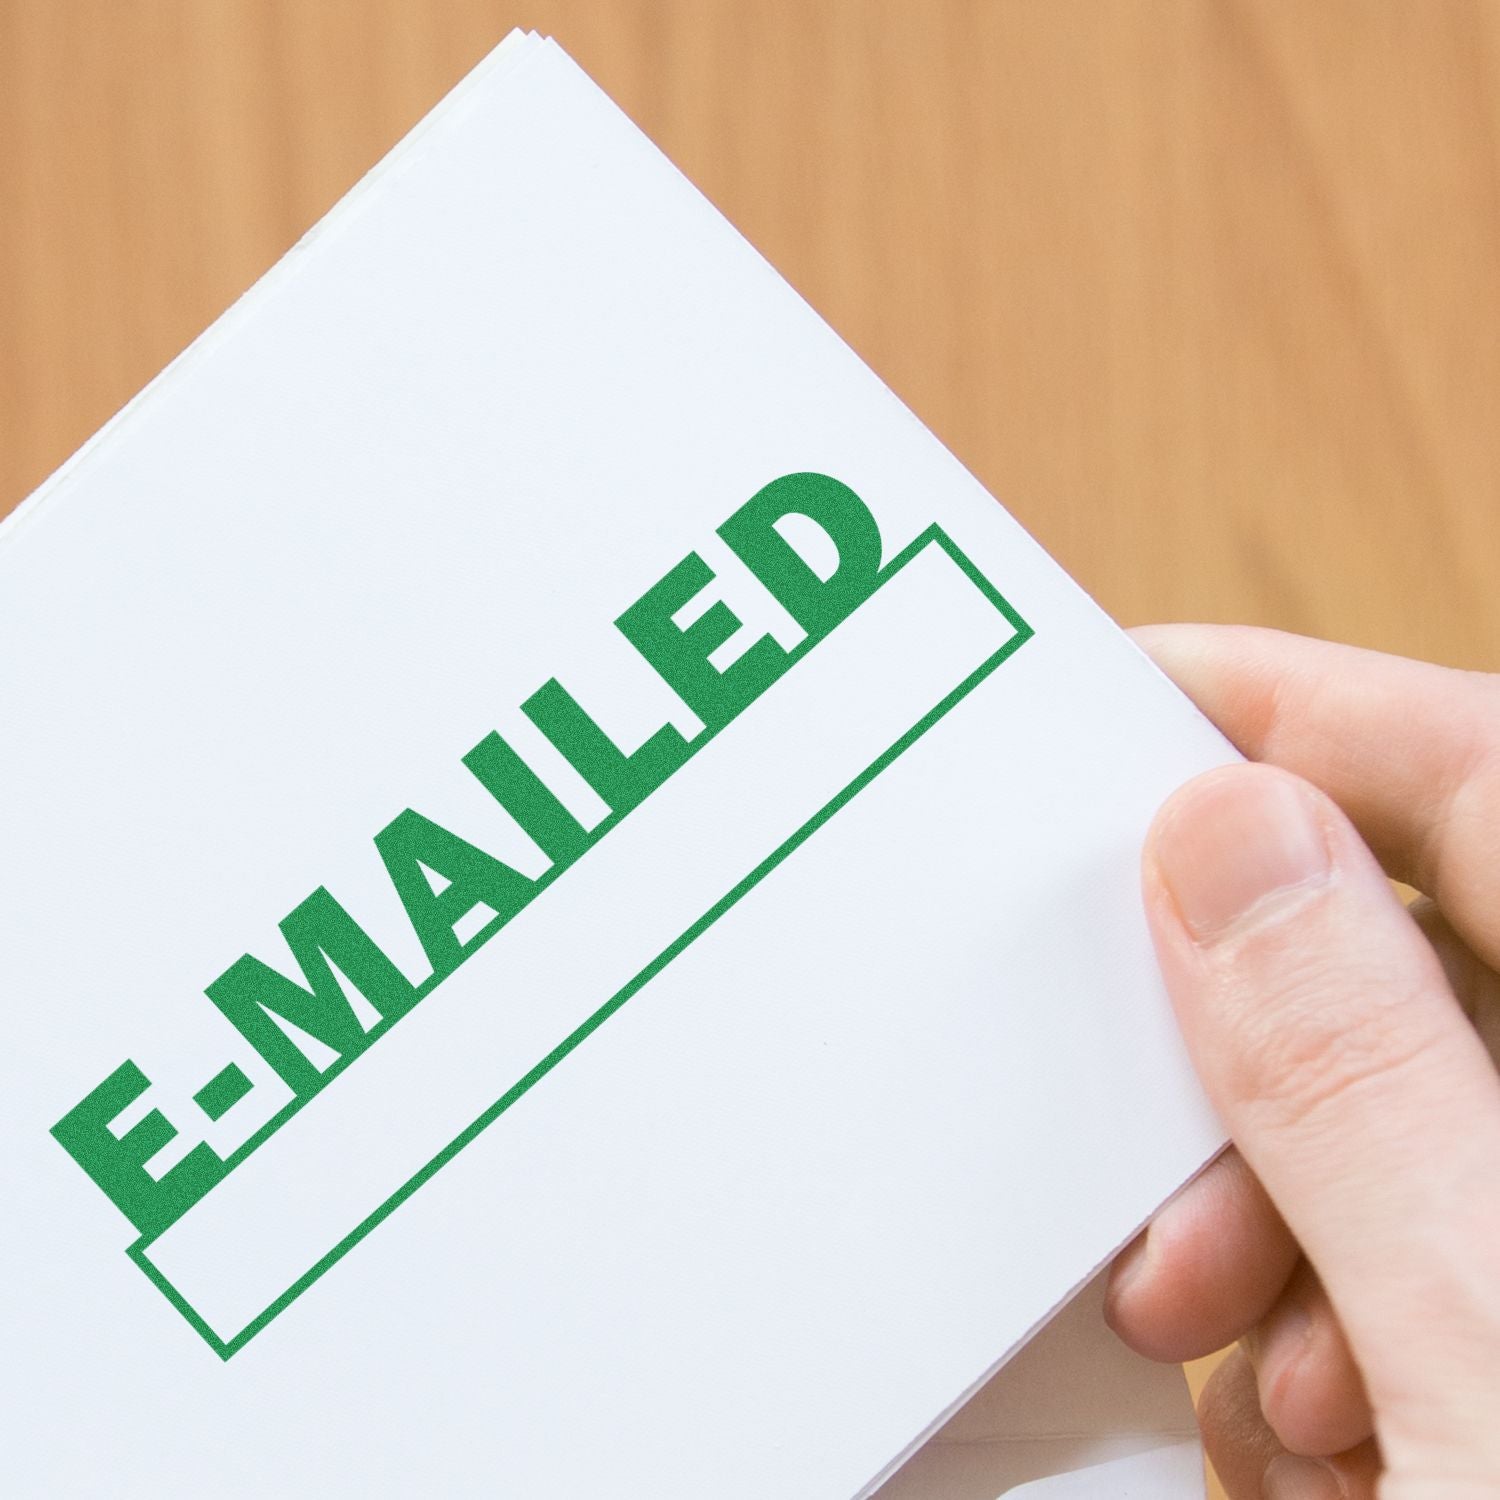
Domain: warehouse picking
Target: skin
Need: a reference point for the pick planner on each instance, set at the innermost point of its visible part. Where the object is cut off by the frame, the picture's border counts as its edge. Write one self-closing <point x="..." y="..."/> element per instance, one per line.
<point x="1350" y="1239"/>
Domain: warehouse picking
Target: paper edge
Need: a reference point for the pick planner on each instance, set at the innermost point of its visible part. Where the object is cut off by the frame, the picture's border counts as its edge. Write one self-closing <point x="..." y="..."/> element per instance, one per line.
<point x="515" y="49"/>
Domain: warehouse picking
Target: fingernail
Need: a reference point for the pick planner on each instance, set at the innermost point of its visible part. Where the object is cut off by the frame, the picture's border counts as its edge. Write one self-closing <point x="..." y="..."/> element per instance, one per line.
<point x="1129" y="1267"/>
<point x="1288" y="1477"/>
<point x="1232" y="843"/>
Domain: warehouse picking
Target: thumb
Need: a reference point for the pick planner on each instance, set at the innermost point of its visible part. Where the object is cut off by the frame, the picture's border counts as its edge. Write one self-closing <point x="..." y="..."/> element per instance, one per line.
<point x="1327" y="1037"/>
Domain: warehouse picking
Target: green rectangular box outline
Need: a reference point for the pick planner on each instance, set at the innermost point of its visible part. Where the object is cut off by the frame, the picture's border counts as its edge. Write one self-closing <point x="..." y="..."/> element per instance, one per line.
<point x="933" y="535"/>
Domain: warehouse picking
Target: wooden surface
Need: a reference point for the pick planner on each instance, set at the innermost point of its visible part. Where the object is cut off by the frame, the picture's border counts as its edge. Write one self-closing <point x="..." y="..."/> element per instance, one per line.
<point x="1208" y="293"/>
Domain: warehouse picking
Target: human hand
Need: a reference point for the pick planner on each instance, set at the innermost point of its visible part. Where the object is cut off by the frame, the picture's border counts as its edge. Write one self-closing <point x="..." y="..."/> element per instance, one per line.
<point x="1351" y="1239"/>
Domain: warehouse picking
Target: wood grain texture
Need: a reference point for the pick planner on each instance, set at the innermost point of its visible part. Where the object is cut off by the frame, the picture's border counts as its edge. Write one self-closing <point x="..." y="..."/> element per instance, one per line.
<point x="1208" y="291"/>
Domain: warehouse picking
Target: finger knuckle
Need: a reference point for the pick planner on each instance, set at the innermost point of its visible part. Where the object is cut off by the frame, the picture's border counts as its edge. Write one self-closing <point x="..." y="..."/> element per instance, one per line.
<point x="1307" y="1061"/>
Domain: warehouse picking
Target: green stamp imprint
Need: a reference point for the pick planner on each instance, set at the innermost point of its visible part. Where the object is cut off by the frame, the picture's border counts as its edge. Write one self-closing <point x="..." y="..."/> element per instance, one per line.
<point x="332" y="950"/>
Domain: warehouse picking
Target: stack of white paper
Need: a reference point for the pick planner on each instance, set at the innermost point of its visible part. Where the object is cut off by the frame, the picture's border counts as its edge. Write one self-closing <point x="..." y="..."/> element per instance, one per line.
<point x="568" y="916"/>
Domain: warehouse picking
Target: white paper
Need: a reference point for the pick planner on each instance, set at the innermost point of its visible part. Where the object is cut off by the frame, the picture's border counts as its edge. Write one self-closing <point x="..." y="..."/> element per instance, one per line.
<point x="764" y="1228"/>
<point x="1074" y="1416"/>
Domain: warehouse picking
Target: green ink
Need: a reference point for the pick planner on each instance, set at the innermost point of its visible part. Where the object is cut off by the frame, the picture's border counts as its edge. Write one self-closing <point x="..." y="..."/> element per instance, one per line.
<point x="326" y="942"/>
<point x="816" y="604"/>
<point x="441" y="878"/>
<point x="411" y="845"/>
<point x="681" y="656"/>
<point x="528" y="799"/>
<point x="623" y="781"/>
<point x="118" y="1165"/>
<point x="222" y="1092"/>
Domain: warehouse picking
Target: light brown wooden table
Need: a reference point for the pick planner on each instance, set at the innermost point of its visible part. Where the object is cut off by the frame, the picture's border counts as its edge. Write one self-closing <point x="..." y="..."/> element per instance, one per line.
<point x="1208" y="291"/>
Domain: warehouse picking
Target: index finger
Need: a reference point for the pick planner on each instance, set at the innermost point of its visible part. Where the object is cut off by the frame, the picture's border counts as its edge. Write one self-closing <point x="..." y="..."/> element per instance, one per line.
<point x="1410" y="751"/>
